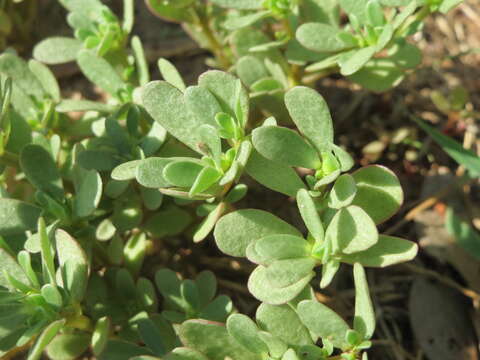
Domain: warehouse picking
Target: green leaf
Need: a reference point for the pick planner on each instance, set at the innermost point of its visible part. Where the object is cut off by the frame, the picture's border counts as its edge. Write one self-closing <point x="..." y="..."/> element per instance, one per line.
<point x="245" y="332"/>
<point x="140" y="61"/>
<point x="24" y="81"/>
<point x="17" y="217"/>
<point x="254" y="224"/>
<point x="310" y="113"/>
<point x="205" y="179"/>
<point x="238" y="22"/>
<point x="465" y="234"/>
<point x="283" y="322"/>
<point x="351" y="230"/>
<point x="46" y="78"/>
<point x="44" y="339"/>
<point x="323" y="322"/>
<point x="239" y="4"/>
<point x="88" y="195"/>
<point x="100" y="335"/>
<point x="364" y="321"/>
<point x="352" y="61"/>
<point x="41" y="170"/>
<point x="378" y="75"/>
<point x="224" y="87"/>
<point x="259" y="286"/>
<point x="358" y="8"/>
<point x="273" y="175"/>
<point x="168" y="222"/>
<point x="126" y="171"/>
<point x="57" y="50"/>
<point x="329" y="269"/>
<point x="387" y="251"/>
<point x="250" y="69"/>
<point x="213" y="340"/>
<point x="122" y="350"/>
<point x="71" y="105"/>
<point x="343" y="192"/>
<point x="182" y="173"/>
<point x="150" y="335"/>
<point x="52" y="296"/>
<point x="280" y="247"/>
<point x="68" y="346"/>
<point x="455" y="150"/>
<point x="310" y="216"/>
<point x="184" y="354"/>
<point x="166" y="104"/>
<point x="100" y="72"/>
<point x="379" y="192"/>
<point x="448" y="5"/>
<point x="11" y="267"/>
<point x="283" y="273"/>
<point x="319" y="37"/>
<point x="73" y="263"/>
<point x="150" y="172"/>
<point x="211" y="143"/>
<point x="170" y="74"/>
<point x="207" y="225"/>
<point x="271" y="142"/>
<point x="170" y="12"/>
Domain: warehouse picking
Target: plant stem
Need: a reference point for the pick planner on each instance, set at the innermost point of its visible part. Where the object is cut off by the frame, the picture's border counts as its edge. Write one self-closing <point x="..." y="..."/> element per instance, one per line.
<point x="8" y="158"/>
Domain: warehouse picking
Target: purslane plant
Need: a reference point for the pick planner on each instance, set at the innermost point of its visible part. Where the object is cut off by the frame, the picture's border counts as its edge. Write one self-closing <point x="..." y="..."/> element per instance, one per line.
<point x="87" y="203"/>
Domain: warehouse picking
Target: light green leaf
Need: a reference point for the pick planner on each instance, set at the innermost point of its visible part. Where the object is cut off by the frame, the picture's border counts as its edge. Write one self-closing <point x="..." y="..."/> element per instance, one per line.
<point x="448" y="5"/>
<point x="41" y="170"/>
<point x="259" y="286"/>
<point x="378" y="75"/>
<point x="57" y="50"/>
<point x="465" y="234"/>
<point x="379" y="192"/>
<point x="280" y="247"/>
<point x="184" y="354"/>
<point x="46" y="78"/>
<point x="207" y="225"/>
<point x="323" y="322"/>
<point x="343" y="192"/>
<point x="319" y="37"/>
<point x="310" y="216"/>
<point x="357" y="8"/>
<point x="169" y="222"/>
<point x="211" y="143"/>
<point x="275" y="176"/>
<point x="238" y="22"/>
<point x="169" y="12"/>
<point x="245" y="332"/>
<point x="182" y="173"/>
<point x="100" y="72"/>
<point x="213" y="340"/>
<point x="11" y="267"/>
<point x="351" y="230"/>
<point x="88" y="195"/>
<point x="364" y="321"/>
<point x="100" y="335"/>
<point x="239" y="4"/>
<point x="73" y="263"/>
<point x="387" y="251"/>
<point x="329" y="269"/>
<point x="255" y="224"/>
<point x="44" y="339"/>
<point x="352" y="61"/>
<point x="310" y="113"/>
<point x="170" y="74"/>
<point x="150" y="172"/>
<point x="68" y="105"/>
<point x="271" y="142"/>
<point x="68" y="346"/>
<point x="283" y="273"/>
<point x="282" y="321"/>
<point x="126" y="171"/>
<point x="16" y="217"/>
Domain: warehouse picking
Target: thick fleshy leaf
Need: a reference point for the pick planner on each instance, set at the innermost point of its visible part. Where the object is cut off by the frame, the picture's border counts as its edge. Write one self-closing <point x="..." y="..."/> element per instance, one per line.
<point x="259" y="286"/>
<point x="10" y="266"/>
<point x="100" y="72"/>
<point x="122" y="350"/>
<point x="207" y="225"/>
<point x="46" y="78"/>
<point x="150" y="172"/>
<point x="203" y="106"/>
<point x="168" y="12"/>
<point x="100" y="335"/>
<point x="343" y="192"/>
<point x="24" y="81"/>
<point x="226" y="89"/>
<point x="255" y="224"/>
<point x="184" y="354"/>
<point x="364" y="321"/>
<point x="273" y="175"/>
<point x="89" y="194"/>
<point x="310" y="215"/>
<point x="171" y="74"/>
<point x="182" y="173"/>
<point x="212" y="340"/>
<point x="351" y="230"/>
<point x="280" y="247"/>
<point x="126" y="171"/>
<point x="238" y="22"/>
<point x="387" y="251"/>
<point x="57" y="50"/>
<point x="310" y="113"/>
<point x="245" y="332"/>
<point x="283" y="322"/>
<point x="68" y="105"/>
<point x="41" y="170"/>
<point x="323" y="322"/>
<point x="239" y="4"/>
<point x="16" y="217"/>
<point x="357" y="8"/>
<point x="352" y="61"/>
<point x="319" y="37"/>
<point x="73" y="263"/>
<point x="271" y="142"/>
<point x="169" y="222"/>
<point x="68" y="346"/>
<point x="378" y="75"/>
<point x="44" y="339"/>
<point x="283" y="273"/>
<point x="379" y="192"/>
